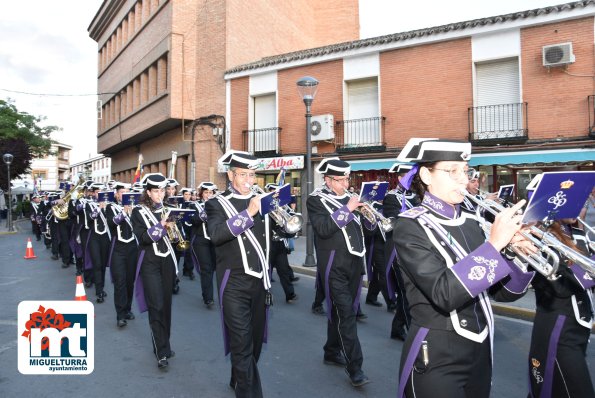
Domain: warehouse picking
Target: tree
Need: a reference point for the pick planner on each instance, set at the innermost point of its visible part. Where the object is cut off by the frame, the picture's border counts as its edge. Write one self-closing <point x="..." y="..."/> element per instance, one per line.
<point x="23" y="137"/>
<point x="15" y="124"/>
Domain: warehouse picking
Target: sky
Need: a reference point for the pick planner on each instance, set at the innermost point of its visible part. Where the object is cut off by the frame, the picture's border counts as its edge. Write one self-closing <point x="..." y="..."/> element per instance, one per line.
<point x="45" y="49"/>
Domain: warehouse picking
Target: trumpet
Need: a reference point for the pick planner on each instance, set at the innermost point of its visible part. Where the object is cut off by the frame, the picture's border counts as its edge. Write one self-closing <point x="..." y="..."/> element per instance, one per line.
<point x="372" y="215"/>
<point x="290" y="222"/>
<point x="173" y="232"/>
<point x="546" y="263"/>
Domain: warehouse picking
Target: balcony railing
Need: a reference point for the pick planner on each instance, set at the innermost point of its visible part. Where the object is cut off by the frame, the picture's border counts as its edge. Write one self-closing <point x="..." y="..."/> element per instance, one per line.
<point x="498" y="123"/>
<point x="591" y="105"/>
<point x="360" y="135"/>
<point x="262" y="142"/>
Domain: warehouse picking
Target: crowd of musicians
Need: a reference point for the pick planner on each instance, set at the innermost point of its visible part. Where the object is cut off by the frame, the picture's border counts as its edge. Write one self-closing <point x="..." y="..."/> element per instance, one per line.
<point x="425" y="248"/>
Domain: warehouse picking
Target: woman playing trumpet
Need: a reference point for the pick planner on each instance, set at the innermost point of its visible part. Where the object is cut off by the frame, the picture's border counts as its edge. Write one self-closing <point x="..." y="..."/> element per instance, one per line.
<point x="157" y="267"/>
<point x="449" y="269"/>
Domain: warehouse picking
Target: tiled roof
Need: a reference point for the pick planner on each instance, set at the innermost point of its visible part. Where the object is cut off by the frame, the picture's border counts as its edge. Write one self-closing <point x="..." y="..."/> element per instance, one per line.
<point x="395" y="37"/>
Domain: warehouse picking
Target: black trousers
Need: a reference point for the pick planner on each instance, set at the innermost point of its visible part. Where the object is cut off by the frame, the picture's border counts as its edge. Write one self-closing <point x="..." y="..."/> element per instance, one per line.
<point x="378" y="281"/>
<point x="55" y="237"/>
<point x="87" y="273"/>
<point x="205" y="252"/>
<point x="123" y="266"/>
<point x="99" y="246"/>
<point x="278" y="259"/>
<point x="570" y="376"/>
<point x="458" y="367"/>
<point x="244" y="313"/>
<point x="319" y="295"/>
<point x="402" y="318"/>
<point x="63" y="230"/>
<point x="344" y="281"/>
<point x="36" y="230"/>
<point x="158" y="275"/>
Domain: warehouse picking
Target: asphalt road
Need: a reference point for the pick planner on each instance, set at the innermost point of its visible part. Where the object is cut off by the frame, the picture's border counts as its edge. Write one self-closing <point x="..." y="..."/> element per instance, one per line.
<point x="290" y="365"/>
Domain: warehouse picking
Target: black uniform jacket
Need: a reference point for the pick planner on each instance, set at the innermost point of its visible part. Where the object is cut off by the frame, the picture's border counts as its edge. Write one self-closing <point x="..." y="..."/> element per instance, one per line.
<point x="444" y="291"/>
<point x="234" y="250"/>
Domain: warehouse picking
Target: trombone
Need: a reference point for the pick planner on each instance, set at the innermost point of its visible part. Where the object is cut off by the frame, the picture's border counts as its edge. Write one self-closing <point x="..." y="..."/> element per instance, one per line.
<point x="291" y="223"/>
<point x="372" y="215"/>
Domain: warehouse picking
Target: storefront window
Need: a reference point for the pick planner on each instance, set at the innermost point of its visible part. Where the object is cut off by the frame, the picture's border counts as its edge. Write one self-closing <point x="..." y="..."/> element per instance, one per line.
<point x="524" y="177"/>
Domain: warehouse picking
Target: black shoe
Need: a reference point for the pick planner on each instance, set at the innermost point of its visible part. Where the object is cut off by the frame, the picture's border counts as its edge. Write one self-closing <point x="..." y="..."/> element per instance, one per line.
<point x="122" y="323"/>
<point x="399" y="334"/>
<point x="79" y="272"/>
<point x="391" y="307"/>
<point x="209" y="303"/>
<point x="65" y="265"/>
<point x="291" y="299"/>
<point x="294" y="279"/>
<point x="162" y="363"/>
<point x="103" y="294"/>
<point x="360" y="316"/>
<point x="318" y="310"/>
<point x="232" y="383"/>
<point x="337" y="360"/>
<point x="374" y="302"/>
<point x="129" y="316"/>
<point x="176" y="287"/>
<point x="88" y="284"/>
<point x="172" y="354"/>
<point x="100" y="299"/>
<point x="358" y="379"/>
<point x="55" y="257"/>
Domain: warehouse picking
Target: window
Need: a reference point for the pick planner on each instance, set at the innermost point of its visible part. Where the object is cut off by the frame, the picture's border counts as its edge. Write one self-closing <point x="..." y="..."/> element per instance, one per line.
<point x="265" y="120"/>
<point x="498" y="112"/>
<point x="362" y="105"/>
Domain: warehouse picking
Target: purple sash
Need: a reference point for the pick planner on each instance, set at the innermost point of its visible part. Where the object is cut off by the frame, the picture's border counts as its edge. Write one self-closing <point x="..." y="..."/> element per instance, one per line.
<point x="223" y="327"/>
<point x="389" y="280"/>
<point x="408" y="366"/>
<point x="359" y="291"/>
<point x="552" y="350"/>
<point x="327" y="289"/>
<point x="139" y="290"/>
<point x="88" y="261"/>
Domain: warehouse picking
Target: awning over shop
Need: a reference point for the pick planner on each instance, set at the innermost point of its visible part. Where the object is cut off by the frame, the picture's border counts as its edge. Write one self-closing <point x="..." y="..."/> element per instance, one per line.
<point x="530" y="157"/>
<point x="377" y="164"/>
<point x="486" y="159"/>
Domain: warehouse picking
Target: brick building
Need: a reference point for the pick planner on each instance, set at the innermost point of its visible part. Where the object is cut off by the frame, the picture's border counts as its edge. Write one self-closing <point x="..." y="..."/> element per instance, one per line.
<point x="161" y="65"/>
<point x="525" y="107"/>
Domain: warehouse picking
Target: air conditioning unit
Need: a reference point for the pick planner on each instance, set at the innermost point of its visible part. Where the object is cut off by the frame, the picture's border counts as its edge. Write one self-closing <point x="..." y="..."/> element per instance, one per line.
<point x="322" y="128"/>
<point x="557" y="55"/>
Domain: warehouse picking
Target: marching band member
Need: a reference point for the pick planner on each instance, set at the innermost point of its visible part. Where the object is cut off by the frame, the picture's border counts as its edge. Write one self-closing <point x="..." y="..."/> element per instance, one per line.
<point x="448" y="270"/>
<point x="171" y="190"/>
<point x="98" y="240"/>
<point x="186" y="228"/>
<point x="61" y="235"/>
<point x="395" y="202"/>
<point x="157" y="266"/>
<point x="376" y="264"/>
<point x="82" y="227"/>
<point x="203" y="250"/>
<point x="240" y="235"/>
<point x="278" y="255"/>
<point x="36" y="217"/>
<point x="123" y="255"/>
<point x="340" y="254"/>
<point x="563" y="321"/>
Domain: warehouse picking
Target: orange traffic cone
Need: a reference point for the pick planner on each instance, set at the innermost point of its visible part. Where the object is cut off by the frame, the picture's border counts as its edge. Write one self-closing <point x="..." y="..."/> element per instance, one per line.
<point x="80" y="294"/>
<point x="29" y="254"/>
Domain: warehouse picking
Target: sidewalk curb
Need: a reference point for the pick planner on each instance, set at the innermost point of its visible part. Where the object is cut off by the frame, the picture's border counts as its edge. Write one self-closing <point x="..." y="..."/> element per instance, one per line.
<point x="509" y="311"/>
<point x="15" y="224"/>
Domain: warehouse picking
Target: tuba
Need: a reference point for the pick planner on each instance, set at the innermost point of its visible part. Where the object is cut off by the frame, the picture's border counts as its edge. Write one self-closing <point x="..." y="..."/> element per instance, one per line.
<point x="61" y="210"/>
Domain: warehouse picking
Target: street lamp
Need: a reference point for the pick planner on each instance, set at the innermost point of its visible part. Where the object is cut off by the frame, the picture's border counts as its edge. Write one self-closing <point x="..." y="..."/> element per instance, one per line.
<point x="8" y="158"/>
<point x="307" y="87"/>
